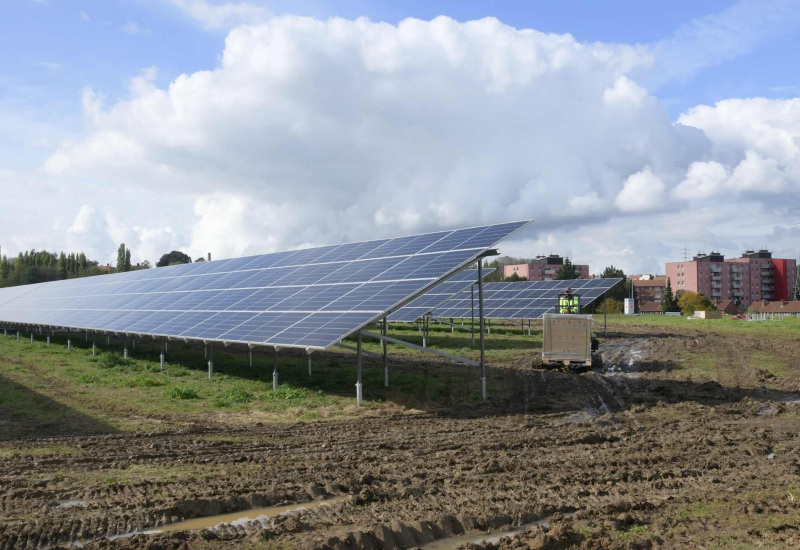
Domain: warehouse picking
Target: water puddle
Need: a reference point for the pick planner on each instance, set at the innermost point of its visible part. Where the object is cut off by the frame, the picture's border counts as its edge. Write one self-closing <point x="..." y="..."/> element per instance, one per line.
<point x="451" y="543"/>
<point x="235" y="518"/>
<point x="70" y="503"/>
<point x="253" y="514"/>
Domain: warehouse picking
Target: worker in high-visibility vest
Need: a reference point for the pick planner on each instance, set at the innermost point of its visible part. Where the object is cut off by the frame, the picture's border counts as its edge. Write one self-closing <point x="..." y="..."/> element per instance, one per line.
<point x="568" y="303"/>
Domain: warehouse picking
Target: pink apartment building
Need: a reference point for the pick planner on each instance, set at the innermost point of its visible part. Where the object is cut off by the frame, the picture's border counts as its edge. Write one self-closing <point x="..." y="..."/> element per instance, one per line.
<point x="754" y="277"/>
<point x="542" y="268"/>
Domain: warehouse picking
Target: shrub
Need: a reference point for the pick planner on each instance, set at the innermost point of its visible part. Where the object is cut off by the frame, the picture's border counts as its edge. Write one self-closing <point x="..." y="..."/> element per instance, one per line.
<point x="143" y="382"/>
<point x="181" y="392"/>
<point x="111" y="360"/>
<point x="233" y="397"/>
<point x="286" y="392"/>
<point x="88" y="379"/>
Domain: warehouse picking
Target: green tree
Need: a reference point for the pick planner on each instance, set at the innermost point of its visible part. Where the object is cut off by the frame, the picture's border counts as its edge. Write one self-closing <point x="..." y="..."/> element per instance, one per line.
<point x="668" y="303"/>
<point x="173" y="258"/>
<point x="612" y="305"/>
<point x="689" y="302"/>
<point x="515" y="278"/>
<point x="621" y="290"/>
<point x="567" y="271"/>
<point x="121" y="258"/>
<point x="200" y="259"/>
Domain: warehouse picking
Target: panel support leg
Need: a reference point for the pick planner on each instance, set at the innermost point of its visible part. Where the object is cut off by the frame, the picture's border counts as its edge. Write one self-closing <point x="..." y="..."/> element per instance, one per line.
<point x="359" y="386"/>
<point x="480" y="325"/>
<point x="210" y="360"/>
<point x="309" y="364"/>
<point x="94" y="348"/>
<point x="125" y="350"/>
<point x="250" y="357"/>
<point x="48" y="341"/>
<point x="275" y="370"/>
<point x="31" y="338"/>
<point x="162" y="355"/>
<point x="385" y="354"/>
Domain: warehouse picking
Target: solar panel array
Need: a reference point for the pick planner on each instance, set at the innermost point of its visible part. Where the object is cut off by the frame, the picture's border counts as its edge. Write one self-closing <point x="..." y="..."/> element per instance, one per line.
<point x="524" y="300"/>
<point x="426" y="303"/>
<point x="309" y="298"/>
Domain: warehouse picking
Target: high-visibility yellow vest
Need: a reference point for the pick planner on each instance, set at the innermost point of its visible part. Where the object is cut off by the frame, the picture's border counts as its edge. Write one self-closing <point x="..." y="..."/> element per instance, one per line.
<point x="567" y="304"/>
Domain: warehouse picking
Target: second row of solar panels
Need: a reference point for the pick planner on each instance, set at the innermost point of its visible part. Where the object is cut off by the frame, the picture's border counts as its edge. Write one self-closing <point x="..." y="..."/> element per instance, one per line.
<point x="526" y="299"/>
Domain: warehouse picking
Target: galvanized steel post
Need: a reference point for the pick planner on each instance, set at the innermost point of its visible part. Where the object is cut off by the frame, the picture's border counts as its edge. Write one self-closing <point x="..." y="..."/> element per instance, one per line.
<point x="359" y="386"/>
<point x="480" y="326"/>
<point x="385" y="354"/>
<point x="275" y="370"/>
<point x="210" y="360"/>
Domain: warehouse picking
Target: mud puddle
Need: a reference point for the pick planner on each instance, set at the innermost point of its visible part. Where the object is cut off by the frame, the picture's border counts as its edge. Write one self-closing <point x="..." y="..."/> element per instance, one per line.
<point x="210" y="522"/>
<point x="70" y="503"/>
<point x="450" y="543"/>
<point x="253" y="514"/>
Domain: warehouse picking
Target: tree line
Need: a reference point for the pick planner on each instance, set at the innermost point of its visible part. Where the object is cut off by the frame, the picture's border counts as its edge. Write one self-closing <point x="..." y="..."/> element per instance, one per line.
<point x="41" y="266"/>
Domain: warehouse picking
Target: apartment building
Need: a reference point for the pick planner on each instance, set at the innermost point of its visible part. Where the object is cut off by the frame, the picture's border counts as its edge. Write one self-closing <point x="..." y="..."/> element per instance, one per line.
<point x="649" y="293"/>
<point x="753" y="277"/>
<point x="542" y="268"/>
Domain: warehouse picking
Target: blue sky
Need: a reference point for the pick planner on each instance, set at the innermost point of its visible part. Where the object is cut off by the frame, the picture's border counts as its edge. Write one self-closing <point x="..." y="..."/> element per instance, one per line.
<point x="702" y="53"/>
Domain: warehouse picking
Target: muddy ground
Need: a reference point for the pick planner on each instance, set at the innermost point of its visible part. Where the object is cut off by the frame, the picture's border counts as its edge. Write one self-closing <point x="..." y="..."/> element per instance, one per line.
<point x="662" y="450"/>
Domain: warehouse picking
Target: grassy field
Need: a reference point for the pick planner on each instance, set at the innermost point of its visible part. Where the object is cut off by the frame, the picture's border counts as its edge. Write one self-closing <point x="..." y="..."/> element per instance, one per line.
<point x="786" y="328"/>
<point x="72" y="390"/>
<point x="79" y="393"/>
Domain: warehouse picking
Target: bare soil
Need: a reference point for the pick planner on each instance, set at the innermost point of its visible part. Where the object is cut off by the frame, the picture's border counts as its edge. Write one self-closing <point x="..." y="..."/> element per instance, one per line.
<point x="661" y="450"/>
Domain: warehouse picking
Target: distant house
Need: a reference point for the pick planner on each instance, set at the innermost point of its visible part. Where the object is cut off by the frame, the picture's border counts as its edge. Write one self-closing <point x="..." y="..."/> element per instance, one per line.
<point x="776" y="306"/>
<point x="728" y="307"/>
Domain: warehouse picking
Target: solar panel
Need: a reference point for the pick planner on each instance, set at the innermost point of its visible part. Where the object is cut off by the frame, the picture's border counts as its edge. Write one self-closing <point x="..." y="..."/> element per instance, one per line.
<point x="525" y="299"/>
<point x="309" y="298"/>
<point x="426" y="303"/>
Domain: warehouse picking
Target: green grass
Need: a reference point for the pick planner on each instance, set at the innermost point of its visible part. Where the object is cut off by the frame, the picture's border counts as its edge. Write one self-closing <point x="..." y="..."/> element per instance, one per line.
<point x="786" y="328"/>
<point x="75" y="391"/>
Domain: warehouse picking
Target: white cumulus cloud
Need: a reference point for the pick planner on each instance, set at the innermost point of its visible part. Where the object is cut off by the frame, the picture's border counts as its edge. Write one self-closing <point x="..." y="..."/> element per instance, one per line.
<point x="311" y="132"/>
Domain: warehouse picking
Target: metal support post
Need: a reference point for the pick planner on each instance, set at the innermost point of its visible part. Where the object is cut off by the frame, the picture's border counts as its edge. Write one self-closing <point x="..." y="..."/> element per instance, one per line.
<point x="385" y="354"/>
<point x="134" y="344"/>
<point x="472" y="321"/>
<point x="250" y="357"/>
<point x="480" y="323"/>
<point x="48" y="341"/>
<point x="86" y="336"/>
<point x="125" y="351"/>
<point x="94" y="348"/>
<point x="17" y="335"/>
<point x="31" y="338"/>
<point x="605" y="315"/>
<point x="162" y="354"/>
<point x="205" y="350"/>
<point x="359" y="386"/>
<point x="309" y="364"/>
<point x="425" y="321"/>
<point x="108" y="340"/>
<point x="275" y="370"/>
<point x="210" y="360"/>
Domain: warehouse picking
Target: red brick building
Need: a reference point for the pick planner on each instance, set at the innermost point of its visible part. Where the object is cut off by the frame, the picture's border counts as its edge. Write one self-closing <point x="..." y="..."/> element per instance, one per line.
<point x="542" y="268"/>
<point x="754" y="277"/>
